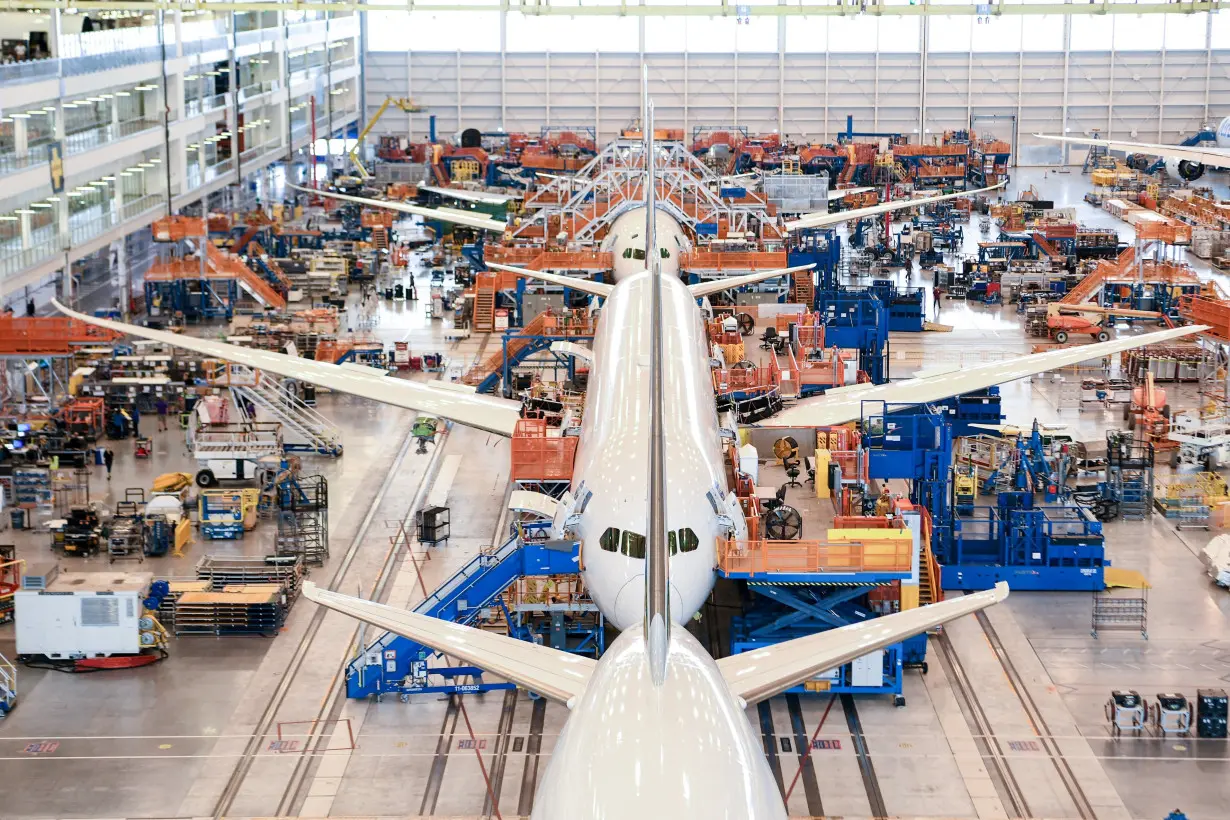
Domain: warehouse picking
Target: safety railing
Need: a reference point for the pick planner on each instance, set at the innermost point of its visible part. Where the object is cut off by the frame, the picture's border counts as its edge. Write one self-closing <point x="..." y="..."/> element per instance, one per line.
<point x="16" y="259"/>
<point x="887" y="554"/>
<point x="746" y="380"/>
<point x="538" y="457"/>
<point x="48" y="335"/>
<point x="100" y="134"/>
<point x="29" y="71"/>
<point x="733" y="260"/>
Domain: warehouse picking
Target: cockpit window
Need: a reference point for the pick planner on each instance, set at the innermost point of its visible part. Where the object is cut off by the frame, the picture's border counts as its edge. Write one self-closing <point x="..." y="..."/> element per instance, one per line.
<point x="609" y="541"/>
<point x="638" y="253"/>
<point x="634" y="545"/>
<point x="688" y="542"/>
<point x="627" y="253"/>
<point x="665" y="253"/>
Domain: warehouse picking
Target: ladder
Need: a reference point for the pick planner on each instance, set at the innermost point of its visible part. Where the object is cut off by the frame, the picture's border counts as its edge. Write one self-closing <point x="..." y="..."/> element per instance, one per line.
<point x="303" y="428"/>
<point x="8" y="686"/>
<point x="380" y="238"/>
<point x="484" y="303"/>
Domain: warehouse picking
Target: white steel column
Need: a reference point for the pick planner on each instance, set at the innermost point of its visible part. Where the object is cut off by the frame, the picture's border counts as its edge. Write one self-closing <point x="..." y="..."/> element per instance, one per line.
<point x="1161" y="86"/>
<point x="1067" y="64"/>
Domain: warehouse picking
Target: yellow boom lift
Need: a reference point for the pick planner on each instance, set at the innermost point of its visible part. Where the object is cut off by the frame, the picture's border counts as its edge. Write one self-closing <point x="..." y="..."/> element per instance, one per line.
<point x="406" y="106"/>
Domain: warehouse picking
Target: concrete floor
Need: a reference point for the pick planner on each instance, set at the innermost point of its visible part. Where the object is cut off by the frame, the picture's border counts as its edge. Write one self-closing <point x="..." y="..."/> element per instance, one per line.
<point x="190" y="737"/>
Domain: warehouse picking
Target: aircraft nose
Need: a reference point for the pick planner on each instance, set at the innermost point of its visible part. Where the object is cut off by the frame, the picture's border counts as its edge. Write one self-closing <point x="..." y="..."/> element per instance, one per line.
<point x="630" y="603"/>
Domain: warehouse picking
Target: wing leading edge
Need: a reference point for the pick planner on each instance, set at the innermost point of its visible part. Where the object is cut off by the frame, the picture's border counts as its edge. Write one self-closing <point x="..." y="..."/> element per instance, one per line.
<point x="847" y="405"/>
<point x="558" y="675"/>
<point x="468" y="218"/>
<point x="762" y="673"/>
<point x="1216" y="157"/>
<point x="446" y="401"/>
<point x="820" y="220"/>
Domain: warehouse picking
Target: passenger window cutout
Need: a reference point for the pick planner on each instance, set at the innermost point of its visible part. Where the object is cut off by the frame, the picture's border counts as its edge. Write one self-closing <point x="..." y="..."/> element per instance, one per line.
<point x="672" y="542"/>
<point x="609" y="541"/>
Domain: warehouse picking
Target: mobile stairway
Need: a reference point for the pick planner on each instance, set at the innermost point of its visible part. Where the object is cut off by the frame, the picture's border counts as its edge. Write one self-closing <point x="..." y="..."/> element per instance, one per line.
<point x="303" y="429"/>
<point x="519" y="344"/>
<point x="8" y="686"/>
<point x="397" y="665"/>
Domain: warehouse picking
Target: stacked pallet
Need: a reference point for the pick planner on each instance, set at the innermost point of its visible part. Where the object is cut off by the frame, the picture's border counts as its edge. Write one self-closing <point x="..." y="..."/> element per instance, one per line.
<point x="237" y="570"/>
<point x="240" y="609"/>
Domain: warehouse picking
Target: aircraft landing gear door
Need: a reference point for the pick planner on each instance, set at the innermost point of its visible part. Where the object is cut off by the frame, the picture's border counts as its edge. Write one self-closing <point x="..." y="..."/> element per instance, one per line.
<point x="995" y="147"/>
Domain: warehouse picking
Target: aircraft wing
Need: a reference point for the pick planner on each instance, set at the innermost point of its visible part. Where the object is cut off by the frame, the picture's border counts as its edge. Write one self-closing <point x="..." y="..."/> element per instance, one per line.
<point x="552" y="673"/>
<point x="445" y="401"/>
<point x="762" y="673"/>
<point x="717" y="285"/>
<point x="584" y="285"/>
<point x="847" y="404"/>
<point x="818" y="220"/>
<point x="840" y="193"/>
<point x="470" y="219"/>
<point x="1217" y="157"/>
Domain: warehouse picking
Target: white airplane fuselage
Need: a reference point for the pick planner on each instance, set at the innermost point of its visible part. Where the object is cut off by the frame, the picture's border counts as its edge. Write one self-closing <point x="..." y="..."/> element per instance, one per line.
<point x="683" y="750"/>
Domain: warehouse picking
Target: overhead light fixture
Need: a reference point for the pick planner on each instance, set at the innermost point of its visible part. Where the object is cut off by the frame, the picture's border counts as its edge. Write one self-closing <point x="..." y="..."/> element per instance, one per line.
<point x="24" y="212"/>
<point x="80" y="102"/>
<point x="40" y="205"/>
<point x="69" y="105"/>
<point x="125" y="174"/>
<point x="106" y="96"/>
<point x="155" y="160"/>
<point x="123" y="94"/>
<point x="8" y="219"/>
<point x="53" y="199"/>
<point x="145" y="165"/>
<point x="21" y="116"/>
<point x="49" y="109"/>
<point x="108" y="179"/>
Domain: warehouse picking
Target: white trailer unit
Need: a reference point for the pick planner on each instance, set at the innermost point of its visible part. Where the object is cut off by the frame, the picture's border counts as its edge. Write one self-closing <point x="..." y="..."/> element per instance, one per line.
<point x="82" y="615"/>
<point x="233" y="451"/>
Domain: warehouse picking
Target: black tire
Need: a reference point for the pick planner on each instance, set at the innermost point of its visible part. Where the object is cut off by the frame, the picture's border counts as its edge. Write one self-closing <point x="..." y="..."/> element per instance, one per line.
<point x="1127" y="410"/>
<point x="1174" y="459"/>
<point x="1212" y="461"/>
<point x="206" y="479"/>
<point x="1103" y="336"/>
<point x="1131" y="421"/>
<point x="1166" y="411"/>
<point x="1061" y="337"/>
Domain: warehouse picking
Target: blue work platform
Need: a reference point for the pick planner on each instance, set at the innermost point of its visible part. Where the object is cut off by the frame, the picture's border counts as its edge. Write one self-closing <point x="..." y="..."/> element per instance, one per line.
<point x="397" y="665"/>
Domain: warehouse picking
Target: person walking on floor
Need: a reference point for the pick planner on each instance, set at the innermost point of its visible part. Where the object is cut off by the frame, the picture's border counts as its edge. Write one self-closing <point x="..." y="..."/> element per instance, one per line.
<point x="936" y="295"/>
<point x="108" y="459"/>
<point x="162" y="408"/>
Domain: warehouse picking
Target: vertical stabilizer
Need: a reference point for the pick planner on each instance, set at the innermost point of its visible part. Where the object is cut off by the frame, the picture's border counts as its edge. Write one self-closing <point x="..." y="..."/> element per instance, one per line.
<point x="657" y="563"/>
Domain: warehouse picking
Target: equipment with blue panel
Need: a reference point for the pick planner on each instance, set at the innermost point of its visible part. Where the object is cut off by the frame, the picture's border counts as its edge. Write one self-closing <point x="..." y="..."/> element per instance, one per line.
<point x="906" y="306"/>
<point x="394" y="664"/>
<point x="820" y="247"/>
<point x="856" y="319"/>
<point x="980" y="407"/>
<point x="1049" y="547"/>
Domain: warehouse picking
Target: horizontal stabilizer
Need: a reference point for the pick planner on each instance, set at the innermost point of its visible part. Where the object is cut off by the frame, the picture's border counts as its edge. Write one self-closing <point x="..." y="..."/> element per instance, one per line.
<point x="718" y="285"/>
<point x="762" y="673"/>
<point x="584" y="285"/>
<point x="488" y="413"/>
<point x="552" y="673"/>
<point x="831" y="409"/>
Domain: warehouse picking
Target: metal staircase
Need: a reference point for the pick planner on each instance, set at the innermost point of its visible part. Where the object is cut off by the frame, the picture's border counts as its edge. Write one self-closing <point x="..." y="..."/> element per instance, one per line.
<point x="303" y="429"/>
<point x="1093" y="282"/>
<point x="484" y="302"/>
<point x="8" y="686"/>
<point x="584" y="205"/>
<point x="384" y="665"/>
<point x="231" y="266"/>
<point x="517" y="350"/>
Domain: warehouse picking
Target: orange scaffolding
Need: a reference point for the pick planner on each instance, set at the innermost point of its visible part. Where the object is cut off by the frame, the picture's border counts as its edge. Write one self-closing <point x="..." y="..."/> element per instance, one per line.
<point x="881" y="551"/>
<point x="49" y="335"/>
<point x="537" y="457"/>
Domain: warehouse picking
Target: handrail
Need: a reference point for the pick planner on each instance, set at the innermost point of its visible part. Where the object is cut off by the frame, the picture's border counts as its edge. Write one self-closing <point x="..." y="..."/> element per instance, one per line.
<point x="889" y="553"/>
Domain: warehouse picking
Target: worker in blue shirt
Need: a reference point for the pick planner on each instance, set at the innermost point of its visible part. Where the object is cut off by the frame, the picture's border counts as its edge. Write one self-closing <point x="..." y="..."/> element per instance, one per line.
<point x="136" y="421"/>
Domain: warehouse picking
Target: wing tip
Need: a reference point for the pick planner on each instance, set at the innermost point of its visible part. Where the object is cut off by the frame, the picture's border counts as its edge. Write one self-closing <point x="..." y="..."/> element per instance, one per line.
<point x="310" y="591"/>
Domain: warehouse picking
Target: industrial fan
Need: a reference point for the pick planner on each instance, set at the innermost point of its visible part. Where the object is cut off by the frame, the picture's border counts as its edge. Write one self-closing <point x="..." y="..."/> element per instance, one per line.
<point x="787" y="449"/>
<point x="782" y="524"/>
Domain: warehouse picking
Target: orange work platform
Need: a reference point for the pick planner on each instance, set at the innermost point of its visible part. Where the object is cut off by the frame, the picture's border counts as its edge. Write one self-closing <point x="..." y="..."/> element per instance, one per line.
<point x="49" y="335"/>
<point x="176" y="228"/>
<point x="537" y="457"/>
<point x="732" y="260"/>
<point x="1211" y="312"/>
<point x="877" y="551"/>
